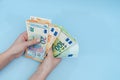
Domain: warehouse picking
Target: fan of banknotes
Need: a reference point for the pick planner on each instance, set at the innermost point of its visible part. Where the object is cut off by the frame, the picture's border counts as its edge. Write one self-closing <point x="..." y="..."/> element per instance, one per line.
<point x="50" y="35"/>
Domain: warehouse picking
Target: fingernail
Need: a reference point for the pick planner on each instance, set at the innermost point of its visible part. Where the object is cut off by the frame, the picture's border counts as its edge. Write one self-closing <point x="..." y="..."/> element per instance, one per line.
<point x="38" y="40"/>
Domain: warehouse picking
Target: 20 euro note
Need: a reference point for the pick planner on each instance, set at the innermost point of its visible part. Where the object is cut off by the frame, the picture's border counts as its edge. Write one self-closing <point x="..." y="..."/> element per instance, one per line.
<point x="62" y="45"/>
<point x="53" y="31"/>
<point x="36" y="30"/>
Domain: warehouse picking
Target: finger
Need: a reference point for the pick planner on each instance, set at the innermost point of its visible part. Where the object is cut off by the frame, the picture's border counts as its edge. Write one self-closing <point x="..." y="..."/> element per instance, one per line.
<point x="25" y="35"/>
<point x="32" y="42"/>
<point x="50" y="52"/>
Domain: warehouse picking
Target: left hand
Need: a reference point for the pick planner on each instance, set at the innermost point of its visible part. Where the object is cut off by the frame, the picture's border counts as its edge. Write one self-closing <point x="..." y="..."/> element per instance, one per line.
<point x="20" y="45"/>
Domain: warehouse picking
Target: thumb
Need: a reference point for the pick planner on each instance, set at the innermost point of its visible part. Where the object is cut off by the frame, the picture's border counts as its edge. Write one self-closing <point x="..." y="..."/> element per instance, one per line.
<point x="32" y="42"/>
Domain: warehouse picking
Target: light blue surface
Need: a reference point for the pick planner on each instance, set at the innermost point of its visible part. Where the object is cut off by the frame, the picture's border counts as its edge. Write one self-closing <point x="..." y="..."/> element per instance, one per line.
<point x="94" y="23"/>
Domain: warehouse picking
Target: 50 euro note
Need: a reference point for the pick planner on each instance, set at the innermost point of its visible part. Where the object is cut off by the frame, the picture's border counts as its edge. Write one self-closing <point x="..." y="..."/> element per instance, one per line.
<point x="54" y="32"/>
<point x="37" y="30"/>
<point x="65" y="45"/>
<point x="41" y="20"/>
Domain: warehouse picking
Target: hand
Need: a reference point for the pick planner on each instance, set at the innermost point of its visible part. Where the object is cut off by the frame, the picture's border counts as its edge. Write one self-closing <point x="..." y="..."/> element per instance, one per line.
<point x="46" y="67"/>
<point x="16" y="49"/>
<point x="49" y="63"/>
<point x="20" y="45"/>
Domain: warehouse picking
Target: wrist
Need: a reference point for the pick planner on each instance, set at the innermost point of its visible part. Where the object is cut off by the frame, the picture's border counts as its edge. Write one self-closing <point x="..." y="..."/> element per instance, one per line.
<point x="42" y="73"/>
<point x="9" y="55"/>
<point x="38" y="75"/>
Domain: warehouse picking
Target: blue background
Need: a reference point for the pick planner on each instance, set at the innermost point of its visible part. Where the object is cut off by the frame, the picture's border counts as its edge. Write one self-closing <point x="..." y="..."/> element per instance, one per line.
<point x="94" y="23"/>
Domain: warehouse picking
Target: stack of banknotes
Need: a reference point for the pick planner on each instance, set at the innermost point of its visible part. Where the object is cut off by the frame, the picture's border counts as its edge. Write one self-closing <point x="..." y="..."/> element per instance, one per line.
<point x="51" y="36"/>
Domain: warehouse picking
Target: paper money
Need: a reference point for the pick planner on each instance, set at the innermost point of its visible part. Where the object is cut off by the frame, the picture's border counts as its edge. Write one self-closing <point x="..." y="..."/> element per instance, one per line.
<point x="70" y="52"/>
<point x="63" y="42"/>
<point x="50" y="35"/>
<point x="41" y="20"/>
<point x="54" y="32"/>
<point x="37" y="30"/>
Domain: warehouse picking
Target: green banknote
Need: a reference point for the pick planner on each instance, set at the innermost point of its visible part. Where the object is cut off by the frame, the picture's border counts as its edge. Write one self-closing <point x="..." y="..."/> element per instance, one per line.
<point x="65" y="45"/>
